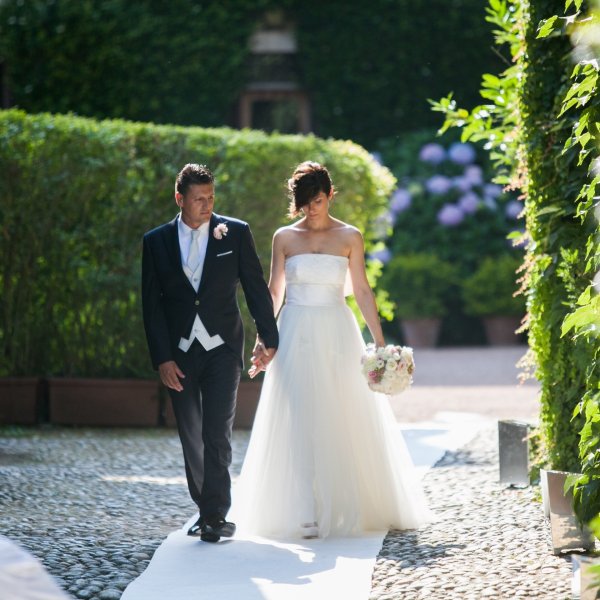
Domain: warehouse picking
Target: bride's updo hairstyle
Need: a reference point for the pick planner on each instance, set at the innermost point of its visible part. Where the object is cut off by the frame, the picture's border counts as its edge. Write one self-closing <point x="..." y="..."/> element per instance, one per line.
<point x="309" y="179"/>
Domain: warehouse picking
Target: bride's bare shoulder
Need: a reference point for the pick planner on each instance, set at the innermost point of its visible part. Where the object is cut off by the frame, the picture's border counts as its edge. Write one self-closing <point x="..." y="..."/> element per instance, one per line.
<point x="285" y="236"/>
<point x="347" y="229"/>
<point x="285" y="232"/>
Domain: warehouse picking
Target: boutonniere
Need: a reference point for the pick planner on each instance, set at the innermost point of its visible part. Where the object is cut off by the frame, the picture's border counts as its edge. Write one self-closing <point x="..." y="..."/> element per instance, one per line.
<point x="220" y="230"/>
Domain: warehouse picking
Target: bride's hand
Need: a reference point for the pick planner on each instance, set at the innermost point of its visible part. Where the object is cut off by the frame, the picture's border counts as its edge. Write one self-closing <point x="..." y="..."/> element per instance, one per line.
<point x="261" y="357"/>
<point x="256" y="367"/>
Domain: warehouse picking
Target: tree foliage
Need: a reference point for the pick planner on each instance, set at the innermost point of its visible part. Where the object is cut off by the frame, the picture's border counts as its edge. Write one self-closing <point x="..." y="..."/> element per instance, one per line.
<point x="369" y="67"/>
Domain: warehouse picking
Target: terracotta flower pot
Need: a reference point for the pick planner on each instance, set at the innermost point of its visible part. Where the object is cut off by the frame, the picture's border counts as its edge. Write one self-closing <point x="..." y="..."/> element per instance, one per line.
<point x="500" y="330"/>
<point x="104" y="402"/>
<point x="421" y="333"/>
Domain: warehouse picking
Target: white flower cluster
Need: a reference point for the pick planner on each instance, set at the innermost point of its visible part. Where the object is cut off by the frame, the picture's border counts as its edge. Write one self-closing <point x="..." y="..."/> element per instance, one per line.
<point x="388" y="369"/>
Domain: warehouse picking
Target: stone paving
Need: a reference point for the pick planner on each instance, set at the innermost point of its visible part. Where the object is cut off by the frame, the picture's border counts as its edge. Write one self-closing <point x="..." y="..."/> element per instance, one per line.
<point x="488" y="541"/>
<point x="94" y="505"/>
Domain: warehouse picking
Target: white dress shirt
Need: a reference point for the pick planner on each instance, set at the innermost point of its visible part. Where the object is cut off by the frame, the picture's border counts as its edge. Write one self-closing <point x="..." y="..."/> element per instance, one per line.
<point x="185" y="238"/>
<point x="198" y="331"/>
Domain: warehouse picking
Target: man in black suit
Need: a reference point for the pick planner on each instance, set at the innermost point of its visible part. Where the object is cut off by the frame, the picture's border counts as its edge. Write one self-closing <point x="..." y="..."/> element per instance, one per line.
<point x="191" y="267"/>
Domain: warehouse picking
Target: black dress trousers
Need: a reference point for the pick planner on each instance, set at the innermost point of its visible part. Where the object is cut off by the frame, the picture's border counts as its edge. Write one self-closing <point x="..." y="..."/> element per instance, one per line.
<point x="204" y="411"/>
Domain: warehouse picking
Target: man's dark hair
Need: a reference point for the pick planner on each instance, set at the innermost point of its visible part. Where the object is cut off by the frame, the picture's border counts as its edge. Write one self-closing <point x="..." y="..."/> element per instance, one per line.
<point x="192" y="174"/>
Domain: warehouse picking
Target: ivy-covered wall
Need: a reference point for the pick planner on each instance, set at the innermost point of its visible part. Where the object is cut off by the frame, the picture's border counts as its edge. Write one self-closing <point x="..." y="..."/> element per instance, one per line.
<point x="547" y="149"/>
<point x="369" y="67"/>
<point x="558" y="250"/>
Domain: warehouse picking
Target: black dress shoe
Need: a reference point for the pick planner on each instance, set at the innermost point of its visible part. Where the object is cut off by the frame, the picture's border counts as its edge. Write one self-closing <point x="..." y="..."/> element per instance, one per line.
<point x="217" y="526"/>
<point x="198" y="529"/>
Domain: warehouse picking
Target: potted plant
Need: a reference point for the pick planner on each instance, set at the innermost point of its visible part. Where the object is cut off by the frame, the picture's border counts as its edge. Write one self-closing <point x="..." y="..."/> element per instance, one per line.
<point x="490" y="294"/>
<point x="418" y="284"/>
<point x="446" y="204"/>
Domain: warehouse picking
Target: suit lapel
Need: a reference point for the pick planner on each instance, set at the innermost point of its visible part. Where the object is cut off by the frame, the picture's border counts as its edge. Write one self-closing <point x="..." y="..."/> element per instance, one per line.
<point x="173" y="243"/>
<point x="175" y="251"/>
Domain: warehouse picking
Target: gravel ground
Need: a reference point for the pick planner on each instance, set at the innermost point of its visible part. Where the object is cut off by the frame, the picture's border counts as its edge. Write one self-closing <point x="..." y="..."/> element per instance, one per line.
<point x="94" y="505"/>
<point x="488" y="541"/>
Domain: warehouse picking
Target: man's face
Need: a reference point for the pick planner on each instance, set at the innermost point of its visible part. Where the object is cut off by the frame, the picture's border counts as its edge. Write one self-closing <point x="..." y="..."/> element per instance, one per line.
<point x="197" y="204"/>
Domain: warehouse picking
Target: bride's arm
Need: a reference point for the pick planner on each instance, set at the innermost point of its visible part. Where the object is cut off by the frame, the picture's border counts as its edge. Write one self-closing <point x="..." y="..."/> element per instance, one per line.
<point x="261" y="356"/>
<point x="362" y="290"/>
<point x="277" y="276"/>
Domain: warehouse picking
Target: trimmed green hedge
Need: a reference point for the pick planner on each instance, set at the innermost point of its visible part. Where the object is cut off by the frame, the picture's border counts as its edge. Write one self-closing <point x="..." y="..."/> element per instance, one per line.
<point x="76" y="196"/>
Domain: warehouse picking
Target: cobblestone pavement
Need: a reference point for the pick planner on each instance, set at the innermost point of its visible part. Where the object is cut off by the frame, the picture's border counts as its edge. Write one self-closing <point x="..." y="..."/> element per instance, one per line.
<point x="488" y="541"/>
<point x="94" y="505"/>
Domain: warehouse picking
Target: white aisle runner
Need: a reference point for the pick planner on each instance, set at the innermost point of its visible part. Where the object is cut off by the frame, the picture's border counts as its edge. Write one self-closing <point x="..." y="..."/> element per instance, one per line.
<point x="253" y="568"/>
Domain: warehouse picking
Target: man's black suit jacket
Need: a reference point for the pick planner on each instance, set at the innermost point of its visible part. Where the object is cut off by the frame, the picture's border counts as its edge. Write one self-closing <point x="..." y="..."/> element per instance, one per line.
<point x="170" y="303"/>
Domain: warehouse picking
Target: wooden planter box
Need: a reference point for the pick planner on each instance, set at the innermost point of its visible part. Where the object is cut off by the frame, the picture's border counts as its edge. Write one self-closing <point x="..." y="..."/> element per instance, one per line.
<point x="247" y="402"/>
<point x="104" y="402"/>
<point x="21" y="400"/>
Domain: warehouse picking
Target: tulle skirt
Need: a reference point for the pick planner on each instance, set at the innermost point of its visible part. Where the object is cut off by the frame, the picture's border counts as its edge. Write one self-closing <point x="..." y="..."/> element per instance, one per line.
<point x="324" y="448"/>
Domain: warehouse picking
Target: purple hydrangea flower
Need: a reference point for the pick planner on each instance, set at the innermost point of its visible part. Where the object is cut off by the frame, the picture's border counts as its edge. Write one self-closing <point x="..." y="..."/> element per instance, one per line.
<point x="450" y="215"/>
<point x="432" y="153"/>
<point x="474" y="174"/>
<point x="383" y="223"/>
<point x="438" y="184"/>
<point x="461" y="154"/>
<point x="493" y="190"/>
<point x="468" y="202"/>
<point x="383" y="255"/>
<point x="490" y="203"/>
<point x="461" y="183"/>
<point x="401" y="200"/>
<point x="513" y="209"/>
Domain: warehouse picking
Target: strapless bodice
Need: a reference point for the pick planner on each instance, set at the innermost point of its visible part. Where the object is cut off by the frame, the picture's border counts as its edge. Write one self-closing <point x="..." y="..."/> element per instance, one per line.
<point x="315" y="279"/>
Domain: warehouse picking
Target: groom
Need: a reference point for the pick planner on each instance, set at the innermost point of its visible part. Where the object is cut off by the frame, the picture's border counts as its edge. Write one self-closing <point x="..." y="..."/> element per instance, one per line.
<point x="190" y="273"/>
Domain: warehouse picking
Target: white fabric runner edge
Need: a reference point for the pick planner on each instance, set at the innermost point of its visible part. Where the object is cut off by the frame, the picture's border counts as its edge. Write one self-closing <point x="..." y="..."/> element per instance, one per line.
<point x="253" y="568"/>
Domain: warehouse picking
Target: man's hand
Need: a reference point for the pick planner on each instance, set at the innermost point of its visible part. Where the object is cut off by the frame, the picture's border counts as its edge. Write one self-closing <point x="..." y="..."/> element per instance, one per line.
<point x="170" y="374"/>
<point x="261" y="357"/>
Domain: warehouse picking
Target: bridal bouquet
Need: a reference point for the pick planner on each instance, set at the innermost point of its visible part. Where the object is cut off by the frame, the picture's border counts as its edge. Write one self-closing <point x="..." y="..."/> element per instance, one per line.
<point x="388" y="369"/>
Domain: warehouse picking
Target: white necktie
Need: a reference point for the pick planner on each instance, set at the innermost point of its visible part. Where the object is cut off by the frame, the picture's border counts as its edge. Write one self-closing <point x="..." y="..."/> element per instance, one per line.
<point x="194" y="253"/>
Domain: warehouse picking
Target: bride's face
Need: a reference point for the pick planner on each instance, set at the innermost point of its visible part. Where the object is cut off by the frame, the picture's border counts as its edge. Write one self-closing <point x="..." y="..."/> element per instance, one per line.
<point x="317" y="207"/>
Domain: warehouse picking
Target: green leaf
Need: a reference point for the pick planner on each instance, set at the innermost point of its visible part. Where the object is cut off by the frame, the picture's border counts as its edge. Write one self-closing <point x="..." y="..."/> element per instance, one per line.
<point x="549" y="210"/>
<point x="546" y="26"/>
<point x="585" y="318"/>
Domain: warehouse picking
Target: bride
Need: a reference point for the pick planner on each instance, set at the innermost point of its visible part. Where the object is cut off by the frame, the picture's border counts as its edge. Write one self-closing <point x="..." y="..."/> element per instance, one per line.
<point x="325" y="457"/>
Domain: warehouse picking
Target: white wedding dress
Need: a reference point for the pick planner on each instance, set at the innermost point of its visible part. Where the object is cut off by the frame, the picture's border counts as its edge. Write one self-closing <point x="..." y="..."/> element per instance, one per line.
<point x="324" y="448"/>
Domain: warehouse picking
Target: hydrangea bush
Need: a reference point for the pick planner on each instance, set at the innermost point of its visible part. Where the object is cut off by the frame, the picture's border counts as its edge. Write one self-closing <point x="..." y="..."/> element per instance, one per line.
<point x="448" y="205"/>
